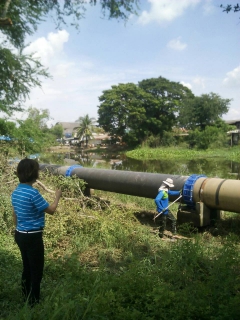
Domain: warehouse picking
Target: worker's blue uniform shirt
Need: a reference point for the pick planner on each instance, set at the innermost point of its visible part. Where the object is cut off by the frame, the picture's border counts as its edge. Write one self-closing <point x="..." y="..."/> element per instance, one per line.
<point x="161" y="200"/>
<point x="29" y="206"/>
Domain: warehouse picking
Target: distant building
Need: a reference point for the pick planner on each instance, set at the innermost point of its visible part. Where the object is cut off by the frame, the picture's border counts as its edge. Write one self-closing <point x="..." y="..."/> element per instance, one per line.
<point x="68" y="128"/>
<point x="70" y="135"/>
<point x="235" y="123"/>
<point x="235" y="134"/>
<point x="98" y="138"/>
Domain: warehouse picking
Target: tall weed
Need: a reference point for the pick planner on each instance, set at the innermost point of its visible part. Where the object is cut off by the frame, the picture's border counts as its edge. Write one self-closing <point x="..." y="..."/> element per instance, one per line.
<point x="104" y="261"/>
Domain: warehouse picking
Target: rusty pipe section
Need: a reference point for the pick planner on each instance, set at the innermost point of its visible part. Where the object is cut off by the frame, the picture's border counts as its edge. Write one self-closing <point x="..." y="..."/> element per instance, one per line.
<point x="141" y="184"/>
<point x="218" y="193"/>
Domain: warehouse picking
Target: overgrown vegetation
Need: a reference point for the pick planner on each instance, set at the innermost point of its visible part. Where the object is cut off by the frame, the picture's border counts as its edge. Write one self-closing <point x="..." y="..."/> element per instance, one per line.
<point x="104" y="260"/>
<point x="32" y="135"/>
<point x="146" y="153"/>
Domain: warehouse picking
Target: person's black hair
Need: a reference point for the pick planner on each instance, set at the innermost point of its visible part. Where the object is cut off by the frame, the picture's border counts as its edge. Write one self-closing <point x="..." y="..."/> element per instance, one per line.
<point x="27" y="170"/>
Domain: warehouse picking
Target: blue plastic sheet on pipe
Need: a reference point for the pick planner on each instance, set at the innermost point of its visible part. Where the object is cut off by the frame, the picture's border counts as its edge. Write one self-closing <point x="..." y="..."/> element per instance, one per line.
<point x="70" y="169"/>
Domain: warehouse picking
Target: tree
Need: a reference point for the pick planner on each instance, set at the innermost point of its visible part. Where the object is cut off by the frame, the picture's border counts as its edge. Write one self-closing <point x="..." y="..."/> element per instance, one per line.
<point x="26" y="15"/>
<point x="135" y="112"/>
<point x="7" y="127"/>
<point x="168" y="97"/>
<point x="39" y="117"/>
<point x="19" y="73"/>
<point x="229" y="7"/>
<point x="122" y="112"/>
<point x="202" y="111"/>
<point x="32" y="134"/>
<point x="212" y="137"/>
<point x="57" y="131"/>
<point x="85" y="128"/>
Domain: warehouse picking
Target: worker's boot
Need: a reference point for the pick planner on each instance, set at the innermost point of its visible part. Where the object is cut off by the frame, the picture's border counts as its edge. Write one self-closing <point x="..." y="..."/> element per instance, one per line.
<point x="174" y="230"/>
<point x="174" y="227"/>
<point x="174" y="233"/>
<point x="162" y="227"/>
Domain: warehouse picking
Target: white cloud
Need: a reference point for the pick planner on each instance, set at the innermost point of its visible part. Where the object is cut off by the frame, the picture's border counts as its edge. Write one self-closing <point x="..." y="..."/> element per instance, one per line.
<point x="208" y="7"/>
<point x="185" y="84"/>
<point x="165" y="10"/>
<point x="199" y="82"/>
<point x="47" y="48"/>
<point x="233" y="78"/>
<point x="63" y="69"/>
<point x="176" y="44"/>
<point x="235" y="112"/>
<point x="76" y="83"/>
<point x="75" y="92"/>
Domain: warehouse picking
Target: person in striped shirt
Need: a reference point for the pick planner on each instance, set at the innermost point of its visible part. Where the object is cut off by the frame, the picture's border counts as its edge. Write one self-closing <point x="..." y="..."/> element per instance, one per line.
<point x="29" y="208"/>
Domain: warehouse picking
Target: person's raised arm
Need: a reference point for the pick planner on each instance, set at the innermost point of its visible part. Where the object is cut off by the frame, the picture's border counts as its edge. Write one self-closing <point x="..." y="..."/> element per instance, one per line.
<point x="52" y="208"/>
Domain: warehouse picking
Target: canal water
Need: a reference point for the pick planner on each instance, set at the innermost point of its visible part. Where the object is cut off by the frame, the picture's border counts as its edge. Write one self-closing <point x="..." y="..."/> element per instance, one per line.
<point x="212" y="167"/>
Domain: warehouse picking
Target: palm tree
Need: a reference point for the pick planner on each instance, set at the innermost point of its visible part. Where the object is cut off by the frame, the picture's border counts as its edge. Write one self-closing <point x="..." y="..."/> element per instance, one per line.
<point x="85" y="128"/>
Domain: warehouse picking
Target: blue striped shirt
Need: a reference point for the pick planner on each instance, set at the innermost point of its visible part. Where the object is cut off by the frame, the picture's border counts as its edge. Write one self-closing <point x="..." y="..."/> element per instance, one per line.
<point x="29" y="206"/>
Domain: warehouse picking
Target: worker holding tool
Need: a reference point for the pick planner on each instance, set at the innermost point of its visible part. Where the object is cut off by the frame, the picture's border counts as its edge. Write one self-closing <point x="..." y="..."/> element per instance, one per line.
<point x="161" y="201"/>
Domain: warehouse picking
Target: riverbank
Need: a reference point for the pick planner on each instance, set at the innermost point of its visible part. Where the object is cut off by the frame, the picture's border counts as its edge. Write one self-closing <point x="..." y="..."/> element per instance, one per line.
<point x="231" y="153"/>
<point x="68" y="148"/>
<point x="104" y="259"/>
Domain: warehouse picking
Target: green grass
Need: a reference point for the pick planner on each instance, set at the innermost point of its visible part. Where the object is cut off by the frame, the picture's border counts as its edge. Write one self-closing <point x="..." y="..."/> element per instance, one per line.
<point x="183" y="153"/>
<point x="104" y="260"/>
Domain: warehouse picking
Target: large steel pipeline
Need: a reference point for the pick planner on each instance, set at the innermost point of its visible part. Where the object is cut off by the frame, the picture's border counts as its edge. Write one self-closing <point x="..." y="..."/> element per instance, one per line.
<point x="218" y="193"/>
<point x="141" y="184"/>
<point x="215" y="193"/>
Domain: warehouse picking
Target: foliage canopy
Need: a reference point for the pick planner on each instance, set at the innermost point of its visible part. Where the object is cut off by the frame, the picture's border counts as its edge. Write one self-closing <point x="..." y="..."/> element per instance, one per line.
<point x="19" y="72"/>
<point x="153" y="108"/>
<point x="26" y="15"/>
<point x="230" y="7"/>
<point x="169" y="98"/>
<point x="199" y="112"/>
<point x="122" y="112"/>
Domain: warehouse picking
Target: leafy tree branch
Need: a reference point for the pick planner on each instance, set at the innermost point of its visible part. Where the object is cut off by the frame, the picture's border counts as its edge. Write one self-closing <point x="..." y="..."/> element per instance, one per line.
<point x="229" y="7"/>
<point x="19" y="73"/>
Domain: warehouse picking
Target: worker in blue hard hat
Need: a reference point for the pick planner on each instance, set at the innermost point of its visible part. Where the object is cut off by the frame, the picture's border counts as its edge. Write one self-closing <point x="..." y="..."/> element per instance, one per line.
<point x="161" y="201"/>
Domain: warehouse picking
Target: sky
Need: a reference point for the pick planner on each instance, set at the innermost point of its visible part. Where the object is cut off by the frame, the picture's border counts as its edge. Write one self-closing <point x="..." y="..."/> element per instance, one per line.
<point x="188" y="41"/>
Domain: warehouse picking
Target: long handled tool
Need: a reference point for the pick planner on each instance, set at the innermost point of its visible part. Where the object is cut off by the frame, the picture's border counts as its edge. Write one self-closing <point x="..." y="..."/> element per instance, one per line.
<point x="167" y="207"/>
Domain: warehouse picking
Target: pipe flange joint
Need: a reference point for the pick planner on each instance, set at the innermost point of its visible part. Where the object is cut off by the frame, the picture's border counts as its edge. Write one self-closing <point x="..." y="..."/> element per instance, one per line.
<point x="70" y="169"/>
<point x="188" y="188"/>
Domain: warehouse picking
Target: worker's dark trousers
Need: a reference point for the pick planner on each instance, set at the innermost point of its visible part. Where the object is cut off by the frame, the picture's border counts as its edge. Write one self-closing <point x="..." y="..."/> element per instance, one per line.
<point x="32" y="251"/>
<point x="163" y="223"/>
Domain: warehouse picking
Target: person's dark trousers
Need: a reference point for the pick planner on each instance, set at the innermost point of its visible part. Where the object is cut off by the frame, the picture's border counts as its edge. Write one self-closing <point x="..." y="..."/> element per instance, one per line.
<point x="32" y="251"/>
<point x="163" y="223"/>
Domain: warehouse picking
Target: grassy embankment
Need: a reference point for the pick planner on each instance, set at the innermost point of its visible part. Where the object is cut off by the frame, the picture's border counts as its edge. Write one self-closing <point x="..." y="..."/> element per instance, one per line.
<point x="104" y="260"/>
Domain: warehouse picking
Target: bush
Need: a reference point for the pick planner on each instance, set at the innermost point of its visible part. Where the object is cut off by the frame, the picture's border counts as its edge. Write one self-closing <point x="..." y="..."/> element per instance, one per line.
<point x="167" y="139"/>
<point x="210" y="137"/>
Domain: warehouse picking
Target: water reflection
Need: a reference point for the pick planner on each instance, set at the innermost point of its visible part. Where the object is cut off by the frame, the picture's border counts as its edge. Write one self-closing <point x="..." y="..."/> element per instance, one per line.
<point x="210" y="167"/>
<point x="214" y="167"/>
